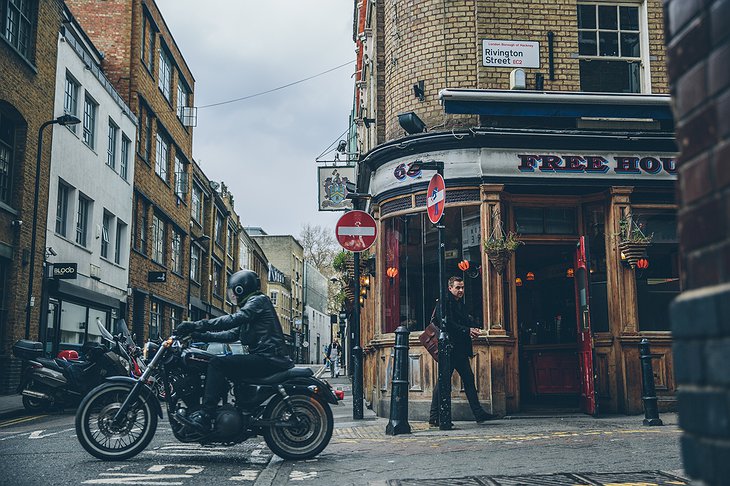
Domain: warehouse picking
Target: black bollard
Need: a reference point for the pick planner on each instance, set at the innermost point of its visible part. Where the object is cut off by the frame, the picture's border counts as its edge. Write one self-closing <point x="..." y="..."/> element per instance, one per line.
<point x="651" y="411"/>
<point x="444" y="383"/>
<point x="398" y="423"/>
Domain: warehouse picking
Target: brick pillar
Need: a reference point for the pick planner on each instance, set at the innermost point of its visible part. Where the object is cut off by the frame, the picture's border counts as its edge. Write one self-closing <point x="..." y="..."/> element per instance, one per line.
<point x="698" y="48"/>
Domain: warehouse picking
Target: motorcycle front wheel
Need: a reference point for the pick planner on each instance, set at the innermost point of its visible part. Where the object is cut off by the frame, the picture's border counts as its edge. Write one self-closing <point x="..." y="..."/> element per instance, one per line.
<point x="310" y="430"/>
<point x="101" y="437"/>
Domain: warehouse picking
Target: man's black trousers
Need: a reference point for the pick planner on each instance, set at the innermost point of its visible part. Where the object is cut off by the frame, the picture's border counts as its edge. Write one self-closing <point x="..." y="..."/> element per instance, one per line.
<point x="460" y="363"/>
<point x="235" y="367"/>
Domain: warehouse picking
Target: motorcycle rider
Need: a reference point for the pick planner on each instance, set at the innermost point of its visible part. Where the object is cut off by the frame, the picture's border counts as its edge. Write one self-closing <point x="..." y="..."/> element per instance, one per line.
<point x="256" y="324"/>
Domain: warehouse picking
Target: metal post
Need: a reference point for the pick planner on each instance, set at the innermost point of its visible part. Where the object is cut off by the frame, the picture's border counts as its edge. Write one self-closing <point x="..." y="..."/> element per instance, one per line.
<point x="357" y="396"/>
<point x="398" y="423"/>
<point x="651" y="411"/>
<point x="444" y="363"/>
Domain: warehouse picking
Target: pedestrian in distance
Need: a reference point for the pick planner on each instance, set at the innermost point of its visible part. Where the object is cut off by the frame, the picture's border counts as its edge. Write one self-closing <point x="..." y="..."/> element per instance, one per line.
<point x="334" y="358"/>
<point x="462" y="328"/>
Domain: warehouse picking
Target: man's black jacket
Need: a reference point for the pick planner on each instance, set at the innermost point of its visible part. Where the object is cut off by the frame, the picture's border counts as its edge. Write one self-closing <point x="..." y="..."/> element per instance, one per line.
<point x="458" y="323"/>
<point x="255" y="324"/>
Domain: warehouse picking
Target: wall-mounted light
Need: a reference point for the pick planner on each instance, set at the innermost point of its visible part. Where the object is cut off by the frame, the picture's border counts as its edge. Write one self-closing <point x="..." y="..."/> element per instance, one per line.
<point x="411" y="123"/>
<point x="518" y="282"/>
<point x="530" y="276"/>
<point x="570" y="273"/>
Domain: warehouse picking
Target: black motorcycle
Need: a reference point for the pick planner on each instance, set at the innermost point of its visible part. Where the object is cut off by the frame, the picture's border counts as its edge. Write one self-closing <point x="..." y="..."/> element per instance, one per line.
<point x="49" y="382"/>
<point x="291" y="409"/>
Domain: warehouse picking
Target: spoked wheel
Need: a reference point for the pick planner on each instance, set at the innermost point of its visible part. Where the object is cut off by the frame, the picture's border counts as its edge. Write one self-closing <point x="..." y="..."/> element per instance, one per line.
<point x="310" y="430"/>
<point x="109" y="441"/>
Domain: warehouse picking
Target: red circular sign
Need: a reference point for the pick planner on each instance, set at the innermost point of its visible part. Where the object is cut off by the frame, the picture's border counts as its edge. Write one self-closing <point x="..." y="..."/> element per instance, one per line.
<point x="436" y="198"/>
<point x="356" y="231"/>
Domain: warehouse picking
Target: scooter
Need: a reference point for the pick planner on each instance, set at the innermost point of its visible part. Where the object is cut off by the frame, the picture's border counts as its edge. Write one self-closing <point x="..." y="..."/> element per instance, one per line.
<point x="48" y="382"/>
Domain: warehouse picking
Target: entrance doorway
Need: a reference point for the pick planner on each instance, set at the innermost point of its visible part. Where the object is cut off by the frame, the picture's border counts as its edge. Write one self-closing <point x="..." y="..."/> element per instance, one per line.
<point x="546" y="317"/>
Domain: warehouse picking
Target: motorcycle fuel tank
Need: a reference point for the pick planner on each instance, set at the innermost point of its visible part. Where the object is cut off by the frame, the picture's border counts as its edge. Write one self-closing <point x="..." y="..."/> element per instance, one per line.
<point x="197" y="359"/>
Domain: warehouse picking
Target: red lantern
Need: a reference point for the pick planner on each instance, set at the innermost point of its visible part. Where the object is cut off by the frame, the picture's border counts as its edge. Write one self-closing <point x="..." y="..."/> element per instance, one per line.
<point x="642" y="263"/>
<point x="391" y="272"/>
<point x="463" y="265"/>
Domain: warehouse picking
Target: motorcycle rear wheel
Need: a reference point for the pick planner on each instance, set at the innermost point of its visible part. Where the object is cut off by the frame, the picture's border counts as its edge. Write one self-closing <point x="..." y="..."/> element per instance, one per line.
<point x="103" y="439"/>
<point x="305" y="440"/>
<point x="36" y="404"/>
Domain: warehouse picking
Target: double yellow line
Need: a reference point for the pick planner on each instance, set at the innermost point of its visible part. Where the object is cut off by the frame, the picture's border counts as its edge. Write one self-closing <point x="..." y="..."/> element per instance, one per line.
<point x="19" y="420"/>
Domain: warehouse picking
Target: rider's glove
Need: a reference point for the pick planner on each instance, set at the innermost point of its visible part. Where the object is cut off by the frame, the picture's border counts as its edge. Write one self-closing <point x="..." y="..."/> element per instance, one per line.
<point x="187" y="327"/>
<point x="199" y="337"/>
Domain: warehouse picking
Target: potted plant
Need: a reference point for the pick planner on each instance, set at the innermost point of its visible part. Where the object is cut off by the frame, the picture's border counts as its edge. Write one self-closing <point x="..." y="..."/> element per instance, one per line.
<point x="499" y="247"/>
<point x="632" y="241"/>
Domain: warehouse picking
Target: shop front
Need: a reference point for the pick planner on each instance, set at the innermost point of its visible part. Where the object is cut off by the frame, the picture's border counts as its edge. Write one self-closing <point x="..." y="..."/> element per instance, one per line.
<point x="562" y="320"/>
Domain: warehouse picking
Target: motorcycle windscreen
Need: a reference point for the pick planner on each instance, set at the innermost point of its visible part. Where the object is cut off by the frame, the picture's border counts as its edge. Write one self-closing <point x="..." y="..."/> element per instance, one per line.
<point x="588" y="402"/>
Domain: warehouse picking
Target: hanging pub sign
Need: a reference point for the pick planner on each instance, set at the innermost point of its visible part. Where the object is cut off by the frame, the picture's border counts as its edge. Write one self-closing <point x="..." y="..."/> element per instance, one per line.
<point x="65" y="271"/>
<point x="332" y="183"/>
<point x="509" y="53"/>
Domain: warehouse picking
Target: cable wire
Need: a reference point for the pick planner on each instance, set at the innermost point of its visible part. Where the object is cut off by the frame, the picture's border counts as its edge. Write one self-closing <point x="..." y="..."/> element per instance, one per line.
<point x="276" y="89"/>
<point x="325" y="152"/>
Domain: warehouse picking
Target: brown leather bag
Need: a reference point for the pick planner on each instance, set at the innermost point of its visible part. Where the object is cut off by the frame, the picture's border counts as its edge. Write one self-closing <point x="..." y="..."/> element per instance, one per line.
<point x="430" y="337"/>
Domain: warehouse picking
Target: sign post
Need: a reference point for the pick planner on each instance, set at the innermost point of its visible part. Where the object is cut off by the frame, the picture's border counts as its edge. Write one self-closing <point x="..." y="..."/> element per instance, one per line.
<point x="356" y="231"/>
<point x="435" y="202"/>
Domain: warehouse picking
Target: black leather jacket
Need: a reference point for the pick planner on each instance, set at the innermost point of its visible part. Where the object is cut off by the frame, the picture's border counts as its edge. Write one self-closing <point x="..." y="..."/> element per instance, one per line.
<point x="255" y="324"/>
<point x="458" y="323"/>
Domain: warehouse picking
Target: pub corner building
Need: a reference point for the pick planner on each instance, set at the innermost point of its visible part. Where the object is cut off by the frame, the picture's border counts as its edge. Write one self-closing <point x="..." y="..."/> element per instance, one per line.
<point x="572" y="173"/>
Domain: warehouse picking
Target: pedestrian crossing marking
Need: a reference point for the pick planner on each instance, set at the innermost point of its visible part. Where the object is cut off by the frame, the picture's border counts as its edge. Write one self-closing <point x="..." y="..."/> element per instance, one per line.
<point x="246" y="475"/>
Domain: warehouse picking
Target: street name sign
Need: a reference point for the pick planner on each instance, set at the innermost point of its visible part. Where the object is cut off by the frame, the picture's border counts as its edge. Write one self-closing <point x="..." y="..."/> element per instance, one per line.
<point x="356" y="231"/>
<point x="157" y="277"/>
<point x="436" y="198"/>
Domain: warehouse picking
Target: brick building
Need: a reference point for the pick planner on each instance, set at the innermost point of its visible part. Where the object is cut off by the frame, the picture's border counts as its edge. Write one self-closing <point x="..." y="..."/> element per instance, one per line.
<point x="28" y="49"/>
<point x="550" y="120"/>
<point x="145" y="65"/>
<point x="698" y="46"/>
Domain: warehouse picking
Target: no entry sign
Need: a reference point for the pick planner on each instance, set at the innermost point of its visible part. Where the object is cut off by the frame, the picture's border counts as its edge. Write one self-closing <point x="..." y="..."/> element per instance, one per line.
<point x="356" y="231"/>
<point x="436" y="198"/>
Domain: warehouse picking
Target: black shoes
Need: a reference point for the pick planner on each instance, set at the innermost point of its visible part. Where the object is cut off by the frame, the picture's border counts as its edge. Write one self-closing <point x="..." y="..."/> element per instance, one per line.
<point x="484" y="416"/>
<point x="433" y="422"/>
<point x="199" y="420"/>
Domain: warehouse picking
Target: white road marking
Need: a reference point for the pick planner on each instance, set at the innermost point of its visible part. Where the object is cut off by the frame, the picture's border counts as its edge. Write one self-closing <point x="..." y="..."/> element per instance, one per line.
<point x="302" y="476"/>
<point x="38" y="434"/>
<point x="138" y="478"/>
<point x="189" y="470"/>
<point x="245" y="475"/>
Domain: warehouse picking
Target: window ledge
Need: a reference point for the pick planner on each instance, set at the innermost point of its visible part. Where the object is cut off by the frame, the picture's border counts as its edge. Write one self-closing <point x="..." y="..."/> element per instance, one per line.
<point x="27" y="61"/>
<point x="8" y="209"/>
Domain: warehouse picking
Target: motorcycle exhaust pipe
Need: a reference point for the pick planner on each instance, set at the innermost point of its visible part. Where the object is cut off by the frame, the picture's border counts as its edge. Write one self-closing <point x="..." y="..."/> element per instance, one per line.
<point x="35" y="394"/>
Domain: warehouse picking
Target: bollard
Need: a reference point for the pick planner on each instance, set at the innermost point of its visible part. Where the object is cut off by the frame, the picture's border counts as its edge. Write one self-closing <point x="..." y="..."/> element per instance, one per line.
<point x="651" y="411"/>
<point x="398" y="423"/>
<point x="444" y="383"/>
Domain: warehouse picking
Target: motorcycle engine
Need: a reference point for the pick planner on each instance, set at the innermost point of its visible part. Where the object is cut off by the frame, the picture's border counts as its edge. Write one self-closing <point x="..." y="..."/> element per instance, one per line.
<point x="229" y="424"/>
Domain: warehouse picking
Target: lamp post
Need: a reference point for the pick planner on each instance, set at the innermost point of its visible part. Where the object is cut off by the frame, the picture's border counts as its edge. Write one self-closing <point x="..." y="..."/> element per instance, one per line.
<point x="61" y="120"/>
<point x="203" y="239"/>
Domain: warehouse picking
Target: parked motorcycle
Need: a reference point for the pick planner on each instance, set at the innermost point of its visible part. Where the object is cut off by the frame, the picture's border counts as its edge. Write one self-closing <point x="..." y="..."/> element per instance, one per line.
<point x="291" y="409"/>
<point x="47" y="382"/>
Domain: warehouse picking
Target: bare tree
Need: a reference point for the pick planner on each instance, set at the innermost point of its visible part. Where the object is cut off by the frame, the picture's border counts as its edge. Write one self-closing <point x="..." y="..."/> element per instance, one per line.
<point x="319" y="246"/>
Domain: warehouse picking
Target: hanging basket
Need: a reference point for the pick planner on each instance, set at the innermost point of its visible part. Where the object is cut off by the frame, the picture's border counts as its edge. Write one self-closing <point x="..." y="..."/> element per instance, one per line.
<point x="633" y="251"/>
<point x="498" y="259"/>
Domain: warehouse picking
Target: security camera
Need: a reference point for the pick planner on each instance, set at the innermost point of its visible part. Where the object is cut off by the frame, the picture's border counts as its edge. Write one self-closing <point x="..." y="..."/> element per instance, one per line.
<point x="16" y="222"/>
<point x="52" y="251"/>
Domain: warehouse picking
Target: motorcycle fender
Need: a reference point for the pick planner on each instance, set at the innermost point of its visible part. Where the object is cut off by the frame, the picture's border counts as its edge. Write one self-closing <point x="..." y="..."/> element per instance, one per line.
<point x="303" y="384"/>
<point x="146" y="390"/>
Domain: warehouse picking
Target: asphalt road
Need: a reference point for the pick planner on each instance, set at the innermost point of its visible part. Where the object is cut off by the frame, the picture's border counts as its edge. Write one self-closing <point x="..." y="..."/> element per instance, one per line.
<point x="43" y="450"/>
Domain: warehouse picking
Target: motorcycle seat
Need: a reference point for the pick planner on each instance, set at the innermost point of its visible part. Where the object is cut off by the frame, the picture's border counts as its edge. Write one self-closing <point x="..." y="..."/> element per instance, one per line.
<point x="280" y="377"/>
<point x="50" y="363"/>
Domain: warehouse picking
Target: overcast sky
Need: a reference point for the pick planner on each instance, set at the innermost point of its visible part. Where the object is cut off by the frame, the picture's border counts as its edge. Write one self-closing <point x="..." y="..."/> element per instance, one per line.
<point x="264" y="148"/>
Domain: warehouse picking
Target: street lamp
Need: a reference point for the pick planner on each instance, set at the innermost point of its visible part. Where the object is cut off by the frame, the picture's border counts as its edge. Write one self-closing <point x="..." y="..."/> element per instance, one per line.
<point x="203" y="240"/>
<point x="61" y="120"/>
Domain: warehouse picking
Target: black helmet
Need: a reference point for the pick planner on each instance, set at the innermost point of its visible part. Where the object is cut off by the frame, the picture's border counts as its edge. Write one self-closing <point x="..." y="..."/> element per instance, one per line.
<point x="242" y="284"/>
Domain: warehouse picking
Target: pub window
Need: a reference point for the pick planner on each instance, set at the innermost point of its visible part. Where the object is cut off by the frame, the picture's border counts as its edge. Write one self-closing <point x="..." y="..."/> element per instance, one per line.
<point x="594" y="220"/>
<point x="545" y="220"/>
<point x="659" y="283"/>
<point x="411" y="254"/>
<point x="609" y="47"/>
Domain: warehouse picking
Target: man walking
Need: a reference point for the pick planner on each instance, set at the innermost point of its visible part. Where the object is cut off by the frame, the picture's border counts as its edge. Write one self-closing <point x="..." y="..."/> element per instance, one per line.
<point x="461" y="329"/>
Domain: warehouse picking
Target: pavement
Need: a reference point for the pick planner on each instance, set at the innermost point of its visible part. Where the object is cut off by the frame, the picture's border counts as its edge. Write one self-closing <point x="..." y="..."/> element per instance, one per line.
<point x="11" y="406"/>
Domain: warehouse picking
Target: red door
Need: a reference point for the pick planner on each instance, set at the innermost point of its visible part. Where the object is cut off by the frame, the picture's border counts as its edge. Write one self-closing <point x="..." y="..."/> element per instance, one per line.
<point x="588" y="402"/>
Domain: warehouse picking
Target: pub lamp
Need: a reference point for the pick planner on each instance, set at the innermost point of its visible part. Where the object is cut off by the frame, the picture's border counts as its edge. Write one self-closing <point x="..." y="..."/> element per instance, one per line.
<point x="410" y="122"/>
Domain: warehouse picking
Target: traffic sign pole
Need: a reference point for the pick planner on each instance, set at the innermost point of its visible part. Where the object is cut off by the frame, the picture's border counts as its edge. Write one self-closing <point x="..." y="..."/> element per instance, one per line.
<point x="356" y="231"/>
